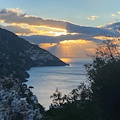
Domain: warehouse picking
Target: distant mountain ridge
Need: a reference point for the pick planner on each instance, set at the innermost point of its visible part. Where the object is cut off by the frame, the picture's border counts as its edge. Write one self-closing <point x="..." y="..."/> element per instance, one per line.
<point x="17" y="54"/>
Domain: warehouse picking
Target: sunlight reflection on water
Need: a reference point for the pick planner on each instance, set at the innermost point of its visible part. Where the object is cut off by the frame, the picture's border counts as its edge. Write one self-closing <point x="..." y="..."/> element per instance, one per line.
<point x="46" y="79"/>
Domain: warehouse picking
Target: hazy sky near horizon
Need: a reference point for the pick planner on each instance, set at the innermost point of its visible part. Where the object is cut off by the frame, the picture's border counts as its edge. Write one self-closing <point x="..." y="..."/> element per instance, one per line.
<point x="81" y="12"/>
<point x="61" y="20"/>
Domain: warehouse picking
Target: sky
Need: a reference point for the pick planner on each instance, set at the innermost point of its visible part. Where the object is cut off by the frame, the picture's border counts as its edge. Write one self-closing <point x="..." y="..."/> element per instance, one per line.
<point x="76" y="11"/>
<point x="58" y="18"/>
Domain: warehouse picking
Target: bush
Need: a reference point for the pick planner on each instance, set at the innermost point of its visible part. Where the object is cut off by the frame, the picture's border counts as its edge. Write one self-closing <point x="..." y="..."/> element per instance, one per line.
<point x="104" y="75"/>
<point x="8" y="85"/>
<point x="100" y="100"/>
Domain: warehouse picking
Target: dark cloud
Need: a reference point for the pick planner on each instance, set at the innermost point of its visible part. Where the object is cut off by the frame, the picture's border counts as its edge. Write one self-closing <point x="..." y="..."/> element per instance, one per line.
<point x="3" y="11"/>
<point x="83" y="32"/>
<point x="12" y="16"/>
<point x="113" y="26"/>
<point x="37" y="39"/>
<point x="16" y="16"/>
<point x="17" y="29"/>
<point x="72" y="28"/>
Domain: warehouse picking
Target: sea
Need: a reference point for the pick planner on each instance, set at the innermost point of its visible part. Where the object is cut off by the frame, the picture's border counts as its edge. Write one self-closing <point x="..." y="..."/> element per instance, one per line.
<point x="46" y="80"/>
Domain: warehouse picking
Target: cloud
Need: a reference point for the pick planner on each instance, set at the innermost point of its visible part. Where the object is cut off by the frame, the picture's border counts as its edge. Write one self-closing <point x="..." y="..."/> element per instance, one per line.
<point x="113" y="26"/>
<point x="37" y="39"/>
<point x="23" y="24"/>
<point x="113" y="15"/>
<point x="118" y="12"/>
<point x="33" y="23"/>
<point x="18" y="30"/>
<point x="15" y="16"/>
<point x="72" y="28"/>
<point x="62" y="46"/>
<point x="46" y="30"/>
<point x="92" y="17"/>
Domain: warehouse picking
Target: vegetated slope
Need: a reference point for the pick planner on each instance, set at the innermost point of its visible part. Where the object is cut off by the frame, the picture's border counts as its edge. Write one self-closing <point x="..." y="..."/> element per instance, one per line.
<point x="17" y="54"/>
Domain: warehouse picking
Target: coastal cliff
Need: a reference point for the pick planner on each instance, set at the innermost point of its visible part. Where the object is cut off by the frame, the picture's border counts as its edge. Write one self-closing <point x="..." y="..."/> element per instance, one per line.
<point x="18" y="55"/>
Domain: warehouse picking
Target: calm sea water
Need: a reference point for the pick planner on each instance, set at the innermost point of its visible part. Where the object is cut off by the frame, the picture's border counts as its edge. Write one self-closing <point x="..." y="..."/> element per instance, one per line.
<point x="45" y="80"/>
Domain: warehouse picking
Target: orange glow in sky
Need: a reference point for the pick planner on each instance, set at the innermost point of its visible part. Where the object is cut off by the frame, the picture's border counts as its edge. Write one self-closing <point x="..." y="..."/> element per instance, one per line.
<point x="71" y="48"/>
<point x="66" y="60"/>
<point x="106" y="38"/>
<point x="47" y="46"/>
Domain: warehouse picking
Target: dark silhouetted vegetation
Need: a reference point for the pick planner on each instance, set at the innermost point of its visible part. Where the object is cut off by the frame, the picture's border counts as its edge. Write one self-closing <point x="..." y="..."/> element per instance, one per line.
<point x="8" y="85"/>
<point x="98" y="101"/>
<point x="17" y="116"/>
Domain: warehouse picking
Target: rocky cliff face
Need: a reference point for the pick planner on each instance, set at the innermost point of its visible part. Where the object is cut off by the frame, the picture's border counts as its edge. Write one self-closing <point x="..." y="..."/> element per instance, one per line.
<point x="17" y="54"/>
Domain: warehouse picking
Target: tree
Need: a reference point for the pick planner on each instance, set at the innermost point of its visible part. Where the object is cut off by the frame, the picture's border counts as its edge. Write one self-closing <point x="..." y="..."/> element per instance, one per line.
<point x="104" y="76"/>
<point x="100" y="100"/>
<point x="31" y="87"/>
<point x="57" y="99"/>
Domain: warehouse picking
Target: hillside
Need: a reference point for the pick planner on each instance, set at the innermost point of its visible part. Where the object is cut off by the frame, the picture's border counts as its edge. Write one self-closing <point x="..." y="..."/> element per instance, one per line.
<point x="18" y="55"/>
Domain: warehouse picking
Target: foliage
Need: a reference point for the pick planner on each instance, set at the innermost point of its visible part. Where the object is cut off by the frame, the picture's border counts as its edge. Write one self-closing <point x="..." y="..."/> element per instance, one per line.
<point x="103" y="74"/>
<point x="8" y="85"/>
<point x="42" y="109"/>
<point x="17" y="116"/>
<point x="71" y="106"/>
<point x="100" y="100"/>
<point x="81" y="93"/>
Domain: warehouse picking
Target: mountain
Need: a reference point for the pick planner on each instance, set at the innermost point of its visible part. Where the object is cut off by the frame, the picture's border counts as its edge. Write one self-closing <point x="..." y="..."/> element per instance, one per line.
<point x="18" y="55"/>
